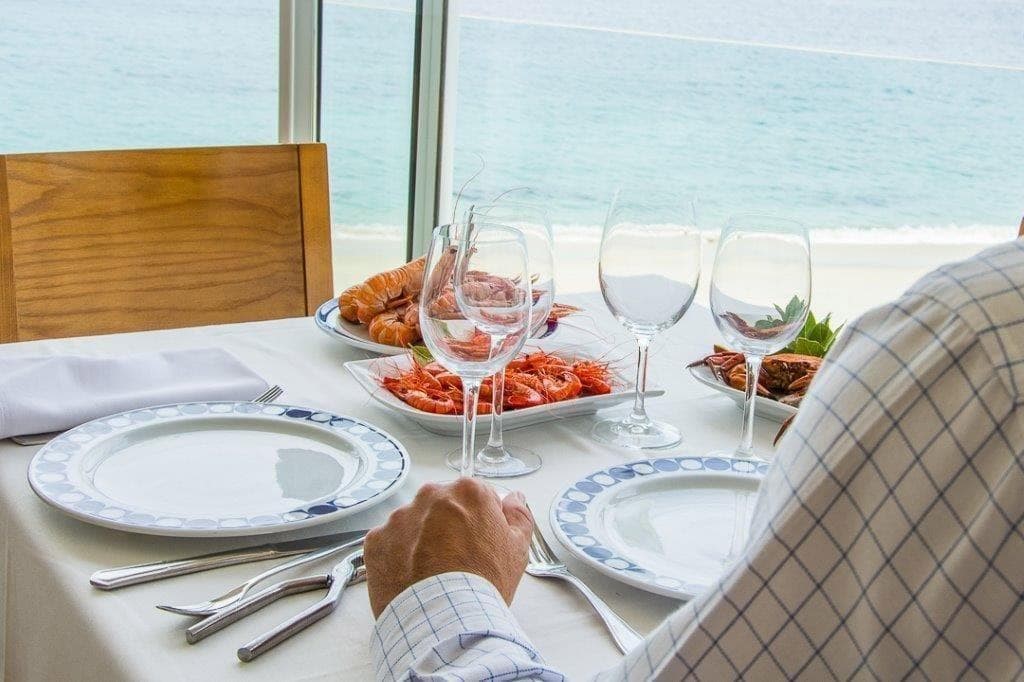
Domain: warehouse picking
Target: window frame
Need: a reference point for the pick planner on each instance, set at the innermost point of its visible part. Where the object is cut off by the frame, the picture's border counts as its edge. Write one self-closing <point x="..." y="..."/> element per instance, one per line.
<point x="431" y="126"/>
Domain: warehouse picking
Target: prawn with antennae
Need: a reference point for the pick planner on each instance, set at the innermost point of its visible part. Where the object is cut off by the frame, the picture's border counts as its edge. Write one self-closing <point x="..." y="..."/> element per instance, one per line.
<point x="462" y="189"/>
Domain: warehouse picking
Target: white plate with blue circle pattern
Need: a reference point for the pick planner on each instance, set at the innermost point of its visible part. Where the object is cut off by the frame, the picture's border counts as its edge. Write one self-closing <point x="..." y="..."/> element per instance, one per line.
<point x="329" y="320"/>
<point x="218" y="469"/>
<point x="670" y="525"/>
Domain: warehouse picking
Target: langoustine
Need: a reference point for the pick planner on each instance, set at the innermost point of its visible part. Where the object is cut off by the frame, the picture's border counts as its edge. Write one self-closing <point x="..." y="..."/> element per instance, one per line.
<point x="386" y="290"/>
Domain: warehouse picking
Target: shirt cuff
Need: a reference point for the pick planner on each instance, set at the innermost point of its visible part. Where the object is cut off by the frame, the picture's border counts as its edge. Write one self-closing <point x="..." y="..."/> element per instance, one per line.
<point x="440" y="622"/>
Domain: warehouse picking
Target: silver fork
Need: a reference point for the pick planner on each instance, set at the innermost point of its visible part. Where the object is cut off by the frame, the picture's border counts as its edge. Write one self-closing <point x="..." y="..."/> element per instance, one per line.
<point x="268" y="396"/>
<point x="544" y="564"/>
<point x="236" y="594"/>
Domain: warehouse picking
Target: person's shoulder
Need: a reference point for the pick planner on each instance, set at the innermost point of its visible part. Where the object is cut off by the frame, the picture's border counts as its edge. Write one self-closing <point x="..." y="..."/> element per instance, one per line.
<point x="986" y="293"/>
<point x="991" y="281"/>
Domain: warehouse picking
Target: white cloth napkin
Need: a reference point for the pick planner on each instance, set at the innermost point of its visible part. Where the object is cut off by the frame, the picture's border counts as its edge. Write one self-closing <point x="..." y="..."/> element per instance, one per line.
<point x="39" y="394"/>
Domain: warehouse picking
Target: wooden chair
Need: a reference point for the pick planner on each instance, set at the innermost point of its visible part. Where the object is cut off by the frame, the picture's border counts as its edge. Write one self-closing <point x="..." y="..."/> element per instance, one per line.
<point x="116" y="241"/>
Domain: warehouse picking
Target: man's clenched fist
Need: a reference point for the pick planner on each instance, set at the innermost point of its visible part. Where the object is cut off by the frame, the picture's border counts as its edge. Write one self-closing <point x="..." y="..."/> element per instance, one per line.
<point x="459" y="526"/>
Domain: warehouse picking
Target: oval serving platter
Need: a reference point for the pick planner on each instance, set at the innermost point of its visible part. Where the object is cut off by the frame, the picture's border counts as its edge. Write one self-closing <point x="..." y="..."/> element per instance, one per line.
<point x="218" y="469"/>
<point x="330" y="322"/>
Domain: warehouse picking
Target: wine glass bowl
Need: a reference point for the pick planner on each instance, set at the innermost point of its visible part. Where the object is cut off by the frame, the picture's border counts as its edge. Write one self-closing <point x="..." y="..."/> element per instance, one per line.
<point x="646" y="302"/>
<point x="648" y="270"/>
<point x="761" y="284"/>
<point x="535" y="226"/>
<point x="474" y="309"/>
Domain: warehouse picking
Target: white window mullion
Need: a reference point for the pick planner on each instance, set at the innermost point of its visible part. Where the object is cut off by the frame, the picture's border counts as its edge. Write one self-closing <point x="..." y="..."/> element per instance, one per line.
<point x="298" y="71"/>
<point x="434" y="120"/>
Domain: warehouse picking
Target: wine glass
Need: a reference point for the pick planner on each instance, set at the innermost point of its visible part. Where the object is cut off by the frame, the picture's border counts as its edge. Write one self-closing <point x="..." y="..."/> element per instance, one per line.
<point x="649" y="269"/>
<point x="760" y="295"/>
<point x="498" y="459"/>
<point x="474" y="309"/>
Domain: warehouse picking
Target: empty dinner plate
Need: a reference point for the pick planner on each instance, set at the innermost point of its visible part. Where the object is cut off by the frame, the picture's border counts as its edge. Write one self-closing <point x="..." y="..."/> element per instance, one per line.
<point x="218" y="469"/>
<point x="670" y="525"/>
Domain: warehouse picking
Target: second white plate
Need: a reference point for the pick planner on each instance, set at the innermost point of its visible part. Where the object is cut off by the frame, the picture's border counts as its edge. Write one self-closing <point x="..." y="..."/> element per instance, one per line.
<point x="670" y="525"/>
<point x="368" y="373"/>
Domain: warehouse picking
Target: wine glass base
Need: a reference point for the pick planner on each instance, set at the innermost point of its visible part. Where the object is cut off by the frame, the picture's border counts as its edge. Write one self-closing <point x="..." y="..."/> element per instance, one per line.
<point x="736" y="454"/>
<point x="651" y="436"/>
<point x="517" y="462"/>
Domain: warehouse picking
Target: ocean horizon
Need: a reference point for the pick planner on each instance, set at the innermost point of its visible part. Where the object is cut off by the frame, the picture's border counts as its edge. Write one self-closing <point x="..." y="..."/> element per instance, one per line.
<point x="866" y="120"/>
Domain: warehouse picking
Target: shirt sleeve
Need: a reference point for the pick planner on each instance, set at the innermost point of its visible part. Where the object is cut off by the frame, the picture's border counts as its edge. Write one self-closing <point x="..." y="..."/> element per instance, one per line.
<point x="454" y="626"/>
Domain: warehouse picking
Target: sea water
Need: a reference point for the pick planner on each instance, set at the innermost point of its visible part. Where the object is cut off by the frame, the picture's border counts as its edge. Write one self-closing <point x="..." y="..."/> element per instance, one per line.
<point x="854" y="117"/>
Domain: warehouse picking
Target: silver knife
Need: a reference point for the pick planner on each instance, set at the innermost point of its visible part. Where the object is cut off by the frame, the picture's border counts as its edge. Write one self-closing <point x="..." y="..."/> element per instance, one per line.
<point x="113" y="578"/>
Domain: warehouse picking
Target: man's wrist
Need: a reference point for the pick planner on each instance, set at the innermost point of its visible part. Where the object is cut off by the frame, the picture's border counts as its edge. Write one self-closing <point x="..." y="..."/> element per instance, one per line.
<point x="434" y="610"/>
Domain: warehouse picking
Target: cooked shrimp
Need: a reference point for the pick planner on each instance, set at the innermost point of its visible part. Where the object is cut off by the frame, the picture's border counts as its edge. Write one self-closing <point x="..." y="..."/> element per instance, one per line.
<point x="561" y="386"/>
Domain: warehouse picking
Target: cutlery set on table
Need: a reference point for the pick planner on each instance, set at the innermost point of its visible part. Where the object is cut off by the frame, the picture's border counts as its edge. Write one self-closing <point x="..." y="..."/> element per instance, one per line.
<point x="243" y="600"/>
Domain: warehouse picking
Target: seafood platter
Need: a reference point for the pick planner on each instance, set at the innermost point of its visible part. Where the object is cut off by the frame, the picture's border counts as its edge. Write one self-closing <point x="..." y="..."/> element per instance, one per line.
<point x="725" y="372"/>
<point x="381" y="314"/>
<point x="539" y="387"/>
<point x="784" y="377"/>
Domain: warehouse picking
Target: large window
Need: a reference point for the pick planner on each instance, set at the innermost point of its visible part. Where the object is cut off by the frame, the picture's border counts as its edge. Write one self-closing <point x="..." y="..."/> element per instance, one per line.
<point x="83" y="74"/>
<point x="871" y="122"/>
<point x="366" y="115"/>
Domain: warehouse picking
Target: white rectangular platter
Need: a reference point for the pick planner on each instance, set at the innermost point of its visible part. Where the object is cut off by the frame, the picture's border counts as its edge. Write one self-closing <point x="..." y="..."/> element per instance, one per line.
<point x="368" y="372"/>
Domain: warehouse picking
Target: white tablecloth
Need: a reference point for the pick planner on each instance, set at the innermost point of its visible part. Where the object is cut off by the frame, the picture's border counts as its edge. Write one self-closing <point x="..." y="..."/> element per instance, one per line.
<point x="56" y="627"/>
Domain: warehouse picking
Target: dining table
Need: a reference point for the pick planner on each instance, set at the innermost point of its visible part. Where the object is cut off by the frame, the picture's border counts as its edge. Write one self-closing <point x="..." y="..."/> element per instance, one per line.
<point x="57" y="627"/>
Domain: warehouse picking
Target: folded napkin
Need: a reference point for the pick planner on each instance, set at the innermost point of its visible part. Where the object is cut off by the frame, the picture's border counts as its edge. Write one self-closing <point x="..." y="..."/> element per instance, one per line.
<point x="39" y="394"/>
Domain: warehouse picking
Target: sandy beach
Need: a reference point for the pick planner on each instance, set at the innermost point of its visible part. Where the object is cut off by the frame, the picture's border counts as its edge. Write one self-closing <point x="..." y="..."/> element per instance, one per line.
<point x="851" y="274"/>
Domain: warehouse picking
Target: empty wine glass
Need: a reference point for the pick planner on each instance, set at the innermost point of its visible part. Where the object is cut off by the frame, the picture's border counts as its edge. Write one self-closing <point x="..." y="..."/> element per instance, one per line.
<point x="760" y="295"/>
<point x="649" y="269"/>
<point x="498" y="459"/>
<point x="474" y="310"/>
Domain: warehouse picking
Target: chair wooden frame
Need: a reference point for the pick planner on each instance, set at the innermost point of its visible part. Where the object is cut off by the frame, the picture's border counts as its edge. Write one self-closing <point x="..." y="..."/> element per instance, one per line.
<point x="116" y="241"/>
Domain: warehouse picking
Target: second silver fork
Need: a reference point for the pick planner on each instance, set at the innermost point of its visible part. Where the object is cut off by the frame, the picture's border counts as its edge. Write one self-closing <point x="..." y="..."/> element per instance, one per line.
<point x="544" y="564"/>
<point x="236" y="594"/>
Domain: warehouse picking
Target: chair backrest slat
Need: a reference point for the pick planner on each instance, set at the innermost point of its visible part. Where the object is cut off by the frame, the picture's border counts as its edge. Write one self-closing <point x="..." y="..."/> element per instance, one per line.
<point x="114" y="241"/>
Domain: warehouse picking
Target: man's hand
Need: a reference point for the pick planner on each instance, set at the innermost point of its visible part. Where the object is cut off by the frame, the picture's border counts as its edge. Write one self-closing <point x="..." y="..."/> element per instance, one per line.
<point x="460" y="526"/>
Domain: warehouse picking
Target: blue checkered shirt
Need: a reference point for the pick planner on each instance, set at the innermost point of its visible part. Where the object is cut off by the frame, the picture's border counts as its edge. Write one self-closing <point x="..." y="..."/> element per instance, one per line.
<point x="887" y="542"/>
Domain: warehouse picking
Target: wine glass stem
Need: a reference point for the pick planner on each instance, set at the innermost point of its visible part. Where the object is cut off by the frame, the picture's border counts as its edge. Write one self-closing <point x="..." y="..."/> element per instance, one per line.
<point x="639" y="413"/>
<point x="470" y="398"/>
<point x="495" y="450"/>
<point x="746" y="448"/>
